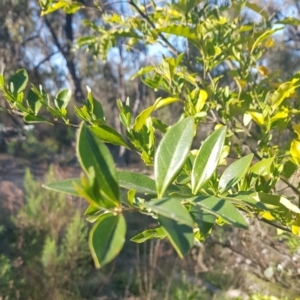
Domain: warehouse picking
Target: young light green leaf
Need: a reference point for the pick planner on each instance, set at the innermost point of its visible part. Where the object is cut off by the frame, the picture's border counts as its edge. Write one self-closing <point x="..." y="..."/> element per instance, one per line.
<point x="107" y="238"/>
<point x="262" y="166"/>
<point x="108" y="135"/>
<point x="172" y="153"/>
<point x="180" y="235"/>
<point x="171" y="208"/>
<point x="66" y="186"/>
<point x="142" y="117"/>
<point x="92" y="152"/>
<point x="180" y="30"/>
<point x="157" y="233"/>
<point x="19" y="81"/>
<point x="207" y="159"/>
<point x="222" y="208"/>
<point x="263" y="37"/>
<point x="234" y="173"/>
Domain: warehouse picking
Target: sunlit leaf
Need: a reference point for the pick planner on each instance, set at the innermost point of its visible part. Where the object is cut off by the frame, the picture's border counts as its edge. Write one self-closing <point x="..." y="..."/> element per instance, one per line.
<point x="262" y="166"/>
<point x="109" y="135"/>
<point x="234" y="173"/>
<point x="172" y="152"/>
<point x="207" y="159"/>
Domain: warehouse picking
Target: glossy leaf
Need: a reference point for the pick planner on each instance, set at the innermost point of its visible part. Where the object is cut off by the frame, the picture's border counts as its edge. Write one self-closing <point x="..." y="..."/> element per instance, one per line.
<point x="157" y="233"/>
<point x="66" y="186"/>
<point x="180" y="235"/>
<point x="223" y="208"/>
<point x="172" y="152"/>
<point x="19" y="81"/>
<point x="171" y="208"/>
<point x="93" y="153"/>
<point x="107" y="238"/>
<point x="108" y="135"/>
<point x="234" y="173"/>
<point x="207" y="159"/>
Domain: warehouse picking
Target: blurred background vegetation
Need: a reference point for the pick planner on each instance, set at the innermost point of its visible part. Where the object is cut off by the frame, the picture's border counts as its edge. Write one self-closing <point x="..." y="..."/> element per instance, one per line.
<point x="43" y="236"/>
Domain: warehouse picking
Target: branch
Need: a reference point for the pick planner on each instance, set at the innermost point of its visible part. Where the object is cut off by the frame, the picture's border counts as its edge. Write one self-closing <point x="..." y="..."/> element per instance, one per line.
<point x="68" y="55"/>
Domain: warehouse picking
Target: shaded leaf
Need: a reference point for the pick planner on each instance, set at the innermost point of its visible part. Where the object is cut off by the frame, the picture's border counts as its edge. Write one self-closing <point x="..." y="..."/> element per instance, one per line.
<point x="157" y="233"/>
<point x="107" y="238"/>
<point x="93" y="153"/>
<point x="66" y="186"/>
<point x="19" y="81"/>
<point x="171" y="208"/>
<point x="204" y="220"/>
<point x="223" y="208"/>
<point x="35" y="119"/>
<point x="180" y="235"/>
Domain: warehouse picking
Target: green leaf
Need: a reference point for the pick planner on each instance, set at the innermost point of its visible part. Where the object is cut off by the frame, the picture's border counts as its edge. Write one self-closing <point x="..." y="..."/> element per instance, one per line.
<point x="33" y="101"/>
<point x="157" y="233"/>
<point x="93" y="153"/>
<point x="180" y="235"/>
<point x="222" y="208"/>
<point x="171" y="208"/>
<point x="108" y="135"/>
<point x="142" y="117"/>
<point x="19" y="81"/>
<point x="62" y="98"/>
<point x="172" y="153"/>
<point x="277" y="201"/>
<point x="289" y="21"/>
<point x="180" y="30"/>
<point x="66" y="186"/>
<point x="207" y="159"/>
<point x="35" y="119"/>
<point x="248" y="198"/>
<point x="137" y="181"/>
<point x="95" y="106"/>
<point x="262" y="166"/>
<point x="234" y="173"/>
<point x="203" y="219"/>
<point x="266" y="34"/>
<point x="107" y="238"/>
